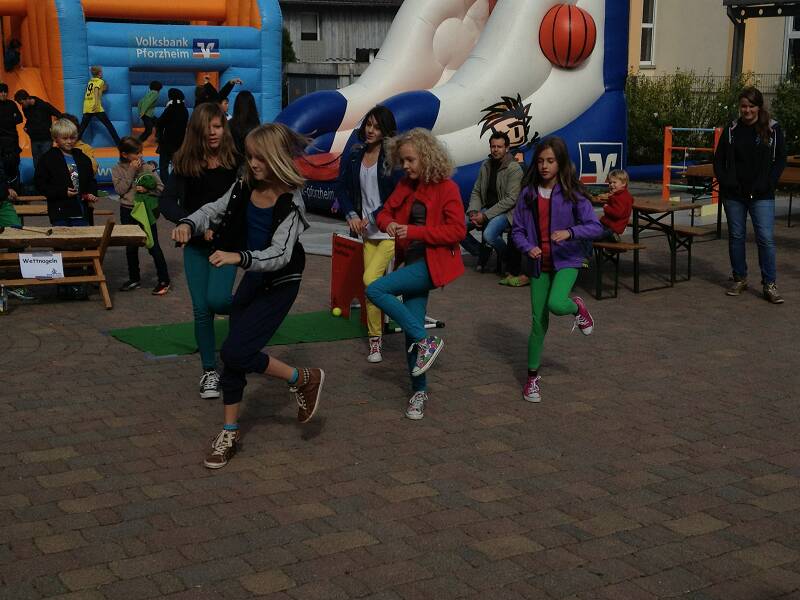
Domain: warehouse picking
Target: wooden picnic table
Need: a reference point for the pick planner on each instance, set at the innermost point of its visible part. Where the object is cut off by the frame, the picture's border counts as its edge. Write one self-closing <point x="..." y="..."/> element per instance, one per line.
<point x="26" y="199"/>
<point x="657" y="215"/>
<point x="79" y="247"/>
<point x="790" y="178"/>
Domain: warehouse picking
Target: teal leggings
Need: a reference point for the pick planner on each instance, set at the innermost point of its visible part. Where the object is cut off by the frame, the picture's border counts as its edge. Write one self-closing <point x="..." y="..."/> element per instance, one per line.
<point x="211" y="289"/>
<point x="549" y="294"/>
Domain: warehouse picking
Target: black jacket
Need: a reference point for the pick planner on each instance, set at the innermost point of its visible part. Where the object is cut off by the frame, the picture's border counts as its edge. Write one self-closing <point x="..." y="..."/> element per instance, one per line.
<point x="10" y="117"/>
<point x="171" y="127"/>
<point x="770" y="159"/>
<point x="52" y="180"/>
<point x="39" y="118"/>
<point x="348" y="185"/>
<point x="283" y="260"/>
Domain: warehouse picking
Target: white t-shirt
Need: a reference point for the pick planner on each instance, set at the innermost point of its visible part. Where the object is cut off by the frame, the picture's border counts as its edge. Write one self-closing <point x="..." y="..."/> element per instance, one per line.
<point x="545" y="192"/>
<point x="370" y="201"/>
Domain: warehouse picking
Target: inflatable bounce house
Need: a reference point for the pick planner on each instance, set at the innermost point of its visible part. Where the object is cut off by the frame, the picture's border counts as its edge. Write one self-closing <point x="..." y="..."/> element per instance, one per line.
<point x="177" y="42"/>
<point x="467" y="68"/>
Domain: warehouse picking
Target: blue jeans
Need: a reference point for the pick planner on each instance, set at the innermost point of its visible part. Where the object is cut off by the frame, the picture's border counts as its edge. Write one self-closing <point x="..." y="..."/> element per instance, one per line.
<point x="413" y="283"/>
<point x="492" y="235"/>
<point x="211" y="291"/>
<point x="762" y="213"/>
<point x="73" y="222"/>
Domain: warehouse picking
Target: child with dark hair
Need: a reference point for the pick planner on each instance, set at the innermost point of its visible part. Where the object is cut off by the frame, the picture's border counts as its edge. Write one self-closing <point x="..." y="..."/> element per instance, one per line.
<point x="10" y="117"/>
<point x="39" y="116"/>
<point x="365" y="182"/>
<point x="245" y="118"/>
<point x="147" y="109"/>
<point x="171" y="129"/>
<point x="129" y="181"/>
<point x="12" y="56"/>
<point x="552" y="217"/>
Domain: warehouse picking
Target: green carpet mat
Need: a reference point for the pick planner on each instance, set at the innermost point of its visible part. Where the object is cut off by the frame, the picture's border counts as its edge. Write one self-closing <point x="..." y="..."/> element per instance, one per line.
<point x="178" y="338"/>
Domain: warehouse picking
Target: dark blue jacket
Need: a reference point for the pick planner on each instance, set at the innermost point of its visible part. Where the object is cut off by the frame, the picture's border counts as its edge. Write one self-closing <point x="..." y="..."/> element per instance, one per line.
<point x="348" y="186"/>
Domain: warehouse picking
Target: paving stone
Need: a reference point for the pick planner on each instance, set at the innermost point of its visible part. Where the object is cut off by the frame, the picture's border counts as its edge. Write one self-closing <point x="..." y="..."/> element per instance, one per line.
<point x="649" y="471"/>
<point x="266" y="582"/>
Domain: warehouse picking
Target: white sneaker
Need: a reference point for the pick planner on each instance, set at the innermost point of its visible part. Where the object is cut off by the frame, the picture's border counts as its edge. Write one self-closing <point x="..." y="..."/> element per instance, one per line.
<point x="209" y="385"/>
<point x="416" y="406"/>
<point x="375" y="347"/>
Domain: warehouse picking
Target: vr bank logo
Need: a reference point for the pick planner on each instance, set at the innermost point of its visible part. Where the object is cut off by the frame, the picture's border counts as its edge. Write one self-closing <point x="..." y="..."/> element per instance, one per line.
<point x="205" y="48"/>
<point x="598" y="159"/>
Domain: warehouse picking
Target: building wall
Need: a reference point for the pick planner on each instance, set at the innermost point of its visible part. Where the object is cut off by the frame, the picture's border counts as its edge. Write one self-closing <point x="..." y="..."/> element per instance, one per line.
<point x="342" y="30"/>
<point x="697" y="35"/>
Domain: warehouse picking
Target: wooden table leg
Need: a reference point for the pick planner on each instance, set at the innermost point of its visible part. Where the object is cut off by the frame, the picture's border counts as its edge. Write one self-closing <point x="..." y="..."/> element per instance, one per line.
<point x="98" y="270"/>
<point x="672" y="238"/>
<point x="636" y="251"/>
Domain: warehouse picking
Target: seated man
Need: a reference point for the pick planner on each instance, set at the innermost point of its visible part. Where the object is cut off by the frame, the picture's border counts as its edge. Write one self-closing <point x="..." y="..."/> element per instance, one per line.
<point x="493" y="197"/>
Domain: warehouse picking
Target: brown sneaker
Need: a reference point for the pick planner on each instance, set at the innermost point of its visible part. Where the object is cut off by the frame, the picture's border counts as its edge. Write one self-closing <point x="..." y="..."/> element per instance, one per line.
<point x="738" y="286"/>
<point x="223" y="448"/>
<point x="771" y="294"/>
<point x="307" y="391"/>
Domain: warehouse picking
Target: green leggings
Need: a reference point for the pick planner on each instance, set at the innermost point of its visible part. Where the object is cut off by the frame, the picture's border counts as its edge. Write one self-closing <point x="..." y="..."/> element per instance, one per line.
<point x="549" y="294"/>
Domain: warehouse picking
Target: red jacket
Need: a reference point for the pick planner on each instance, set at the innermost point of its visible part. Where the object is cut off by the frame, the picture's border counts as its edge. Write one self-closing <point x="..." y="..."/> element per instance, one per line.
<point x="617" y="211"/>
<point x="443" y="230"/>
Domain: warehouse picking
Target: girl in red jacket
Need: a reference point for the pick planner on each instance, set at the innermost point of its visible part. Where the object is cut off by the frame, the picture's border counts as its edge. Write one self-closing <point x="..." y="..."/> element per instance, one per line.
<point x="425" y="216"/>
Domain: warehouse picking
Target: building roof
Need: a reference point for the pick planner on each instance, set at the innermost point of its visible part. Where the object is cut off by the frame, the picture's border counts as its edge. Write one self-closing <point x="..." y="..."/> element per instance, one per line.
<point x="343" y="3"/>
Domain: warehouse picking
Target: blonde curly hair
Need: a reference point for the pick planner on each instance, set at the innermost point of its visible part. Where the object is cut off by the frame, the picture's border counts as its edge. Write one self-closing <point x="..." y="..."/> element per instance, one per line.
<point x="436" y="164"/>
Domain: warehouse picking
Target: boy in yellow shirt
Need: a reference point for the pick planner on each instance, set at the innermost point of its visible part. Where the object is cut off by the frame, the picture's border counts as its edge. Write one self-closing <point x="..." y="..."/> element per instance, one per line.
<point x="93" y="104"/>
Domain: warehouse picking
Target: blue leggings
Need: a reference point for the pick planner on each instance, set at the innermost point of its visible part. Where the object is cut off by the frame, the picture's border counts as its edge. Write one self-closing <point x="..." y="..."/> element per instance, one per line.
<point x="413" y="283"/>
<point x="211" y="291"/>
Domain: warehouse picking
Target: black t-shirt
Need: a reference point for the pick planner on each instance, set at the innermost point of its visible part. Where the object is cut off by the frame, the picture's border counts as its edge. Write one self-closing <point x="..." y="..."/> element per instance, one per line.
<point x="10" y="117"/>
<point x="416" y="249"/>
<point x="745" y="141"/>
<point x="209" y="187"/>
<point x="491" y="188"/>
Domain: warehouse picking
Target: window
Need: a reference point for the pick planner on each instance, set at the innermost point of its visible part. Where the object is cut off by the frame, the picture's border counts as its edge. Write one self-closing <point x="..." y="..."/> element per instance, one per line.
<point x="792" y="57"/>
<point x="309" y="27"/>
<point x="366" y="55"/>
<point x="647" y="53"/>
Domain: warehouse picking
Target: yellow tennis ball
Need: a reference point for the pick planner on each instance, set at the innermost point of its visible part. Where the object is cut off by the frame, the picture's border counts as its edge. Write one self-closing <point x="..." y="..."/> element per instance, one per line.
<point x="336" y="312"/>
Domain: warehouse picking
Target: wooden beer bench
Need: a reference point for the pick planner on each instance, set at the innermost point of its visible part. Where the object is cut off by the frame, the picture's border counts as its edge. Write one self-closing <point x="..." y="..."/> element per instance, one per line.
<point x="40" y="210"/>
<point x="608" y="252"/>
<point x="79" y="247"/>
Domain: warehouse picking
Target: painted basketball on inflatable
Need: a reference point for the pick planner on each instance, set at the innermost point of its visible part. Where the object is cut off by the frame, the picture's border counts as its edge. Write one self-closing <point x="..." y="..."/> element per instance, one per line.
<point x="567" y="36"/>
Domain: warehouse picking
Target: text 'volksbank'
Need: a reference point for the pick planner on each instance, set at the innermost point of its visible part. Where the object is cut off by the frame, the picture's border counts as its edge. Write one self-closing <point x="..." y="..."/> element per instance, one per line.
<point x="162" y="47"/>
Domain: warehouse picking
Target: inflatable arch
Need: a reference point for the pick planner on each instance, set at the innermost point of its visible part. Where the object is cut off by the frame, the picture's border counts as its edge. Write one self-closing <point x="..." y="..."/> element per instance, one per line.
<point x="221" y="38"/>
<point x="465" y="68"/>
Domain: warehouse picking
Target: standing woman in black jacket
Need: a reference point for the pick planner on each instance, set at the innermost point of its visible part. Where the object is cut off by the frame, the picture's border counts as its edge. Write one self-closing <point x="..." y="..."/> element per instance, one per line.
<point x="170" y="130"/>
<point x="204" y="169"/>
<point x="256" y="226"/>
<point x="748" y="162"/>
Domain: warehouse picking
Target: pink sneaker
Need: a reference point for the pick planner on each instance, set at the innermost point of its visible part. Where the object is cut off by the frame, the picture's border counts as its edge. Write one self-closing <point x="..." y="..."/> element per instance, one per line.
<point x="583" y="320"/>
<point x="531" y="391"/>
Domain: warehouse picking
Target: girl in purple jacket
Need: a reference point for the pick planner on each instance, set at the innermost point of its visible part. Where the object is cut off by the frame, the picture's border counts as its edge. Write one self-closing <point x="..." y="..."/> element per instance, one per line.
<point x="552" y="218"/>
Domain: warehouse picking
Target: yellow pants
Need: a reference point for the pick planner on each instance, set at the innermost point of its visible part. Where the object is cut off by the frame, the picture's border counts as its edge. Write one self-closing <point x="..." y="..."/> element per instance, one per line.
<point x="377" y="254"/>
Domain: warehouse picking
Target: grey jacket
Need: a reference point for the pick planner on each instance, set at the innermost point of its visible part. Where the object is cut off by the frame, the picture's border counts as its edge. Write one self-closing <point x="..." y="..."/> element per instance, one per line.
<point x="509" y="183"/>
<point x="228" y="214"/>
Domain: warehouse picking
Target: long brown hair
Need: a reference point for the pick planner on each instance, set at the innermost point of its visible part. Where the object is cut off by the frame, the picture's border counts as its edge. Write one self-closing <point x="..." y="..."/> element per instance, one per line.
<point x="754" y="96"/>
<point x="571" y="185"/>
<point x="192" y="157"/>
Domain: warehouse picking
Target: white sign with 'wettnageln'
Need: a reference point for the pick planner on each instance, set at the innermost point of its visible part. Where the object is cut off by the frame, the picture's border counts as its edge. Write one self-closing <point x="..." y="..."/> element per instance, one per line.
<point x="41" y="265"/>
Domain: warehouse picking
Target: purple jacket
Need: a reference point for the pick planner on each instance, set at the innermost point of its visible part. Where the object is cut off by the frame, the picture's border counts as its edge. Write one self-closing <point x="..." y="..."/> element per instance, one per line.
<point x="578" y="218"/>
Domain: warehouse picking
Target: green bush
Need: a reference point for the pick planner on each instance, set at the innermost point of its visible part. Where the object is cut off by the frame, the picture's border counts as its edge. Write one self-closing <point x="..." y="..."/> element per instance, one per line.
<point x="786" y="109"/>
<point x="683" y="99"/>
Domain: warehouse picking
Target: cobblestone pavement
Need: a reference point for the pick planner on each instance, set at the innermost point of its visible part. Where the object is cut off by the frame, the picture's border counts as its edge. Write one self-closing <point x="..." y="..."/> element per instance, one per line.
<point x="664" y="460"/>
